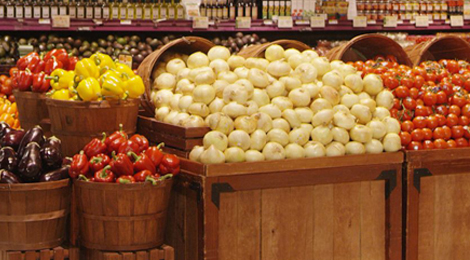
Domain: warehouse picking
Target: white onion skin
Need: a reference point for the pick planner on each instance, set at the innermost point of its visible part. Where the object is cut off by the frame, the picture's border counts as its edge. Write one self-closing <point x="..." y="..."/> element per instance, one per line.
<point x="258" y="140"/>
<point x="294" y="151"/>
<point x="278" y="68"/>
<point x="323" y="117"/>
<point x="218" y="52"/>
<point x="261" y="97"/>
<point x="217" y="139"/>
<point x="279" y="136"/>
<point x="333" y="79"/>
<point x="275" y="89"/>
<point x="274" y="52"/>
<point x="197" y="60"/>
<point x="272" y="110"/>
<point x="314" y="149"/>
<point x="299" y="136"/>
<point x="212" y="156"/>
<point x="392" y="125"/>
<point x="234" y="155"/>
<point x="220" y="122"/>
<point x="234" y="110"/>
<point x="165" y="81"/>
<point x="373" y="84"/>
<point x="239" y="138"/>
<point x="291" y="117"/>
<point x="196" y="153"/>
<point x="305" y="114"/>
<point x="361" y="133"/>
<point x="354" y="82"/>
<point x="312" y="88"/>
<point x="235" y="61"/>
<point x="291" y="83"/>
<point x="282" y="103"/>
<point x="263" y="121"/>
<point x="300" y="97"/>
<point x="385" y="99"/>
<point x="281" y="123"/>
<point x="374" y="147"/>
<point x="307" y="127"/>
<point x="392" y="142"/>
<point x="355" y="148"/>
<point x="378" y="128"/>
<point x="254" y="156"/>
<point x="335" y="149"/>
<point x="340" y="135"/>
<point x="320" y="104"/>
<point x="322" y="134"/>
<point x="370" y="103"/>
<point x="330" y="94"/>
<point x="381" y="113"/>
<point x="362" y="113"/>
<point x="322" y="65"/>
<point x="274" y="151"/>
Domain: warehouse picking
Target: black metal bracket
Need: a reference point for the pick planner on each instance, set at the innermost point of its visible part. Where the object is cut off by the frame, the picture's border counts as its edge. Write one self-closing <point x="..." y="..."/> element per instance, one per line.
<point x="390" y="176"/>
<point x="218" y="188"/>
<point x="196" y="186"/>
<point x="417" y="175"/>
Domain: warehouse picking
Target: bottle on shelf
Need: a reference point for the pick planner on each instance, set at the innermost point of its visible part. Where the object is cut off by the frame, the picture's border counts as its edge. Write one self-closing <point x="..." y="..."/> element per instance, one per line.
<point x="28" y="9"/>
<point x="220" y="10"/>
<point x="288" y="9"/>
<point x="139" y="10"/>
<point x="282" y="8"/>
<point x="240" y="9"/>
<point x="10" y="9"/>
<point x="19" y="10"/>
<point x="247" y="8"/>
<point x="54" y="8"/>
<point x="203" y="8"/>
<point x="106" y="10"/>
<point x="277" y="5"/>
<point x="36" y="10"/>
<point x="254" y="10"/>
<point x="45" y="10"/>
<point x="122" y="10"/>
<point x="72" y="9"/>
<point x="163" y="10"/>
<point x="62" y="8"/>
<point x="264" y="9"/>
<point x="130" y="10"/>
<point x="179" y="10"/>
<point x="171" y="10"/>
<point x="80" y="9"/>
<point x="155" y="10"/>
<point x="88" y="10"/>
<point x="232" y="10"/>
<point x="2" y="9"/>
<point x="147" y="10"/>
<point x="213" y="10"/>
<point x="225" y="10"/>
<point x="97" y="10"/>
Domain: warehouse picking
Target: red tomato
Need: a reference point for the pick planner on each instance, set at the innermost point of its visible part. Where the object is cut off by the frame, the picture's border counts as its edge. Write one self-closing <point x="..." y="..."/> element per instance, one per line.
<point x="440" y="144"/>
<point x="457" y="131"/>
<point x="419" y="122"/>
<point x="452" y="66"/>
<point x="396" y="103"/>
<point x="441" y="97"/>
<point x="417" y="71"/>
<point x="414" y="145"/>
<point x="431" y="122"/>
<point x="414" y="93"/>
<point x="447" y="132"/>
<point x="457" y="80"/>
<point x="402" y="92"/>
<point x="466" y="110"/>
<point x="451" y="144"/>
<point x="464" y="120"/>
<point x="421" y="111"/>
<point x="442" y="110"/>
<point x="452" y="120"/>
<point x="407" y="82"/>
<point x="441" y="120"/>
<point x="391" y="82"/>
<point x="417" y="135"/>
<point x="438" y="133"/>
<point x="461" y="142"/>
<point x="405" y="138"/>
<point x="409" y="103"/>
<point x="407" y="126"/>
<point x="459" y="100"/>
<point x="466" y="132"/>
<point x="419" y="82"/>
<point x="427" y="134"/>
<point x="454" y="109"/>
<point x="429" y="99"/>
<point x="428" y="145"/>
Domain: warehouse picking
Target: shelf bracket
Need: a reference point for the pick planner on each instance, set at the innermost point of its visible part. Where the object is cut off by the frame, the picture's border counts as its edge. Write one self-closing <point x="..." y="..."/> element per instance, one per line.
<point x="417" y="175"/>
<point x="218" y="188"/>
<point x="390" y="177"/>
<point x="196" y="186"/>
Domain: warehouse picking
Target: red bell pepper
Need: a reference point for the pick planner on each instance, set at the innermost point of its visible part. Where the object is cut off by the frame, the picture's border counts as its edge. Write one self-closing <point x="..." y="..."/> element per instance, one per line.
<point x="170" y="164"/>
<point x="52" y="64"/>
<point x="105" y="175"/>
<point x="125" y="179"/>
<point x="13" y="71"/>
<point x="79" y="166"/>
<point x="142" y="162"/>
<point x="14" y="80"/>
<point x="128" y="146"/>
<point x="40" y="83"/>
<point x="99" y="161"/>
<point x="84" y="178"/>
<point x="142" y="175"/>
<point x="121" y="165"/>
<point x="33" y="63"/>
<point x="155" y="154"/>
<point x="25" y="80"/>
<point x="142" y="141"/>
<point x="40" y="67"/>
<point x="59" y="54"/>
<point x="115" y="140"/>
<point x="72" y="61"/>
<point x="24" y="61"/>
<point x="155" y="179"/>
<point x="95" y="146"/>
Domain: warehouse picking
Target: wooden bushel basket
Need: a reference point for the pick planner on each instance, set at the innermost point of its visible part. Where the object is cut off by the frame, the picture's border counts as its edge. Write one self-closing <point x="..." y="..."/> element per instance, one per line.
<point x="367" y="46"/>
<point x="258" y="50"/>
<point x="77" y="122"/>
<point x="122" y="217"/>
<point x="32" y="109"/>
<point x="33" y="216"/>
<point x="445" y="47"/>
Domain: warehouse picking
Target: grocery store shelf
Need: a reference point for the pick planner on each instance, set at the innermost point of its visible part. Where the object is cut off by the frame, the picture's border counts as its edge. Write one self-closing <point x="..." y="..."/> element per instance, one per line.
<point x="224" y="26"/>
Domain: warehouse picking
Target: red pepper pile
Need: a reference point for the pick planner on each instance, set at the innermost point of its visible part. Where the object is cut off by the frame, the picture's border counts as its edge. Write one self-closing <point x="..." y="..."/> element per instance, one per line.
<point x="118" y="158"/>
<point x="33" y="69"/>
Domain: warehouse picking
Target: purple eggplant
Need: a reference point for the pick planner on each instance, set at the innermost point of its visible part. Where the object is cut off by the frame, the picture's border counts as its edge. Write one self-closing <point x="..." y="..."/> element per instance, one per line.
<point x="67" y="161"/>
<point x="51" y="153"/>
<point x="8" y="160"/>
<point x="8" y="177"/>
<point x="4" y="128"/>
<point x="56" y="175"/>
<point x="12" y="138"/>
<point x="30" y="165"/>
<point x="35" y="134"/>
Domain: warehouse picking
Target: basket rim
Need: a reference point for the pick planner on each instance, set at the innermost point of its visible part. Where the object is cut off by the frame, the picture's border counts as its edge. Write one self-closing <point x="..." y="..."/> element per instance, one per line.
<point x="127" y="186"/>
<point x="65" y="102"/>
<point x="50" y="185"/>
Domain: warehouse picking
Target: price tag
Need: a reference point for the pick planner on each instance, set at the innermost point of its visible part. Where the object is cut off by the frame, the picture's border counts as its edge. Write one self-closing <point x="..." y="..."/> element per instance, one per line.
<point x="243" y="23"/>
<point x="285" y="22"/>
<point x="125" y="59"/>
<point x="333" y="21"/>
<point x="360" y="21"/>
<point x="60" y="21"/>
<point x="390" y="21"/>
<point x="126" y="22"/>
<point x="317" y="22"/>
<point x="422" y="21"/>
<point x="456" y="20"/>
<point x="84" y="28"/>
<point x="201" y="22"/>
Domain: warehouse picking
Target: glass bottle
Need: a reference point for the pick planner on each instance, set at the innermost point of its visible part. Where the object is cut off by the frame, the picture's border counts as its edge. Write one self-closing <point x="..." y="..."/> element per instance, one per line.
<point x="220" y="10"/>
<point x="248" y="9"/>
<point x="114" y="10"/>
<point x="28" y="9"/>
<point x="72" y="9"/>
<point x="122" y="10"/>
<point x="2" y="9"/>
<point x="225" y="10"/>
<point x="232" y="13"/>
<point x="88" y="10"/>
<point x="155" y="10"/>
<point x="139" y="10"/>
<point x="106" y="11"/>
<point x="171" y="10"/>
<point x="54" y="8"/>
<point x="62" y="8"/>
<point x="289" y="7"/>
<point x="179" y="10"/>
<point x="164" y="10"/>
<point x="97" y="10"/>
<point x="213" y="10"/>
<point x="202" y="8"/>
<point x="240" y="9"/>
<point x="130" y="10"/>
<point x="254" y="10"/>
<point x="36" y="10"/>
<point x="147" y="8"/>
<point x="80" y="9"/>
<point x="19" y="10"/>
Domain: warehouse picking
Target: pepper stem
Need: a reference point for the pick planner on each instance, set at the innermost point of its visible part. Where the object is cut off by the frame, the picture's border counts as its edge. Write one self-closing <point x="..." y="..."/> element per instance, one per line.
<point x="134" y="155"/>
<point x="113" y="154"/>
<point x="167" y="176"/>
<point x="96" y="159"/>
<point x="55" y="78"/>
<point x="104" y="137"/>
<point x="160" y="145"/>
<point x="151" y="180"/>
<point x="82" y="178"/>
<point x="103" y="173"/>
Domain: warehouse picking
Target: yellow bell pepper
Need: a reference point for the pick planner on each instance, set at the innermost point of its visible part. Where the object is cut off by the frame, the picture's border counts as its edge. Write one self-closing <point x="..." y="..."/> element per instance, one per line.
<point x="103" y="61"/>
<point x="134" y="87"/>
<point x="61" y="79"/>
<point x="61" y="94"/>
<point x="86" y="68"/>
<point x="89" y="89"/>
<point x="111" y="85"/>
<point x="123" y="69"/>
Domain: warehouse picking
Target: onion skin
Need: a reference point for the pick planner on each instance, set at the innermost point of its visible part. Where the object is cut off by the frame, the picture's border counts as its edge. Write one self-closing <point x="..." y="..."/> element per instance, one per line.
<point x="254" y="156"/>
<point x="212" y="156"/>
<point x="294" y="151"/>
<point x="274" y="151"/>
<point x="216" y="139"/>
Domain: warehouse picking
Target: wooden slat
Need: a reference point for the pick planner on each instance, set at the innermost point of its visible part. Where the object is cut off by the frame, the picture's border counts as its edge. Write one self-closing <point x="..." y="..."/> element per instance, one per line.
<point x="128" y="256"/>
<point x="249" y="226"/>
<point x="323" y="222"/>
<point x="31" y="255"/>
<point x="142" y="255"/>
<point x="14" y="256"/>
<point x="444" y="230"/>
<point x="153" y="254"/>
<point x="112" y="256"/>
<point x="45" y="254"/>
<point x="179" y="131"/>
<point x="58" y="253"/>
<point x="271" y="233"/>
<point x="228" y="226"/>
<point x="169" y="253"/>
<point x="426" y="219"/>
<point x="460" y="220"/>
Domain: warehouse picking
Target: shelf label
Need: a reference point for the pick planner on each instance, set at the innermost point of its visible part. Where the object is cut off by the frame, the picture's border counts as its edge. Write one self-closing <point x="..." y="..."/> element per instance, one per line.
<point x="84" y="28"/>
<point x="60" y="21"/>
<point x="126" y="22"/>
<point x="333" y="22"/>
<point x="125" y="59"/>
<point x="201" y="22"/>
<point x="456" y="20"/>
<point x="360" y="21"/>
<point x="390" y="21"/>
<point x="317" y="21"/>
<point x="285" y="22"/>
<point x="422" y="21"/>
<point x="243" y="22"/>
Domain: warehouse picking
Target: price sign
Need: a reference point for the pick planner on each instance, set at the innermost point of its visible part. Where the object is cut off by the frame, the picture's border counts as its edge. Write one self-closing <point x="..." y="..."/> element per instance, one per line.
<point x="285" y="22"/>
<point x="243" y="23"/>
<point x="422" y="21"/>
<point x="125" y="59"/>
<point x="333" y="21"/>
<point x="44" y="21"/>
<point x="126" y="22"/>
<point x="60" y="21"/>
<point x="360" y="21"/>
<point x="390" y="21"/>
<point x="317" y="22"/>
<point x="201" y="22"/>
<point x="84" y="28"/>
<point x="456" y="20"/>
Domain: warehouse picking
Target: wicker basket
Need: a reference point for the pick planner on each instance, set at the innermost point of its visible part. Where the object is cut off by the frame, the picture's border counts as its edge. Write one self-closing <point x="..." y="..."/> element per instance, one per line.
<point x="258" y="50"/>
<point x="445" y="47"/>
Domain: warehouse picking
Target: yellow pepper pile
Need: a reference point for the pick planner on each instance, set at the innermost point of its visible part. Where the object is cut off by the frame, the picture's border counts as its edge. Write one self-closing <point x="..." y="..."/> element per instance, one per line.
<point x="96" y="78"/>
<point x="9" y="113"/>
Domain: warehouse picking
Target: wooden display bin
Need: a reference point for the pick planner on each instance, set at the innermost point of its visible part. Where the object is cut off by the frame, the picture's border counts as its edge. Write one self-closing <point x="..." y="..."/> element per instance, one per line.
<point x="58" y="253"/>
<point x="347" y="207"/>
<point x="438" y="222"/>
<point x="162" y="253"/>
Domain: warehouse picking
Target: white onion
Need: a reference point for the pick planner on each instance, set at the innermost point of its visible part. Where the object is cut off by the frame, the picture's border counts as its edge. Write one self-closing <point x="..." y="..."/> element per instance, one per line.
<point x="294" y="151"/>
<point x="349" y="100"/>
<point x="361" y="133"/>
<point x="355" y="148"/>
<point x="235" y="61"/>
<point x="162" y="98"/>
<point x="345" y="90"/>
<point x="392" y="125"/>
<point x="312" y="88"/>
<point x="275" y="89"/>
<point x="306" y="72"/>
<point x="165" y="81"/>
<point x="185" y="87"/>
<point x="381" y="113"/>
<point x="314" y="149"/>
<point x="219" y="65"/>
<point x="300" y="97"/>
<point x="335" y="149"/>
<point x="346" y="70"/>
<point x="342" y="108"/>
<point x="241" y="72"/>
<point x="291" y="117"/>
<point x="217" y="139"/>
<point x="237" y="93"/>
<point x="362" y="113"/>
<point x="374" y="146"/>
<point x="354" y="82"/>
<point x="258" y="77"/>
<point x="278" y="68"/>
<point x="175" y="65"/>
<point x="281" y="123"/>
<point x="273" y="151"/>
<point x="262" y="64"/>
<point x="227" y="76"/>
<point x="310" y="54"/>
<point x="322" y="65"/>
<point x="239" y="138"/>
<point x="180" y="118"/>
<point x="245" y="123"/>
<point x="197" y="71"/>
<point x="263" y="121"/>
<point x="247" y="85"/>
<point x="333" y="79"/>
<point x="274" y="52"/>
<point x="251" y="62"/>
<point x="340" y="135"/>
<point x="194" y="121"/>
<point x="335" y="64"/>
<point x="320" y="104"/>
<point x="158" y="70"/>
<point x="323" y="117"/>
<point x="272" y="110"/>
<point x="161" y="113"/>
<point x="196" y="153"/>
<point x="252" y="107"/>
<point x="291" y="83"/>
<point x="234" y="110"/>
<point x="254" y="156"/>
<point x="204" y="93"/>
<point x="174" y="103"/>
<point x="392" y="142"/>
<point x="282" y="103"/>
<point x="260" y="97"/>
<point x="218" y="52"/>
<point x="278" y="136"/>
<point x="205" y="77"/>
<point x="183" y="74"/>
<point x="299" y="136"/>
<point x="219" y="86"/>
<point x="330" y="94"/>
<point x="258" y="140"/>
<point x="344" y="120"/>
<point x="199" y="109"/>
<point x="220" y="122"/>
<point x="197" y="60"/>
<point x="169" y="118"/>
<point x="212" y="156"/>
<point x="184" y="103"/>
<point x="289" y="52"/>
<point x="296" y="59"/>
<point x="385" y="99"/>
<point x="305" y="114"/>
<point x="322" y="134"/>
<point x="234" y="154"/>
<point x="307" y="127"/>
<point x="373" y="84"/>
<point x="216" y="105"/>
<point x="370" y="103"/>
<point x="378" y="128"/>
<point x="363" y="95"/>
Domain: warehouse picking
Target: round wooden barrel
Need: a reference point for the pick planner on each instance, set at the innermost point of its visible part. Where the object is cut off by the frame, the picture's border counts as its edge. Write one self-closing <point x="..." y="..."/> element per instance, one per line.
<point x="186" y="45"/>
<point x="367" y="46"/>
<point x="445" y="47"/>
<point x="32" y="109"/>
<point x="33" y="216"/>
<point x="258" y="50"/>
<point x="122" y="217"/>
<point x="77" y="122"/>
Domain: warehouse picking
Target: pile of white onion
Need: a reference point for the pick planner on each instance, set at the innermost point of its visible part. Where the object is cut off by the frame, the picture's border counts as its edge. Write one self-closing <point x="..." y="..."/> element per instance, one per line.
<point x="290" y="104"/>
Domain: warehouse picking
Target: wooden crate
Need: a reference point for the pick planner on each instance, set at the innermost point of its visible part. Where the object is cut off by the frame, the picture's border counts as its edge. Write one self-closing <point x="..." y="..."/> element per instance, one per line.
<point x="438" y="204"/>
<point x="178" y="140"/>
<point x="58" y="253"/>
<point x="346" y="207"/>
<point x="163" y="253"/>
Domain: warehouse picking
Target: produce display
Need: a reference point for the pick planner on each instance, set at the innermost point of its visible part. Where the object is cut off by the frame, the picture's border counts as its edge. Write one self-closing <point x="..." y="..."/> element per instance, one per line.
<point x="8" y="50"/>
<point x="29" y="157"/>
<point x="9" y="113"/>
<point x="238" y="41"/>
<point x="6" y="88"/>
<point x="118" y="158"/>
<point x="286" y="105"/>
<point x="431" y="101"/>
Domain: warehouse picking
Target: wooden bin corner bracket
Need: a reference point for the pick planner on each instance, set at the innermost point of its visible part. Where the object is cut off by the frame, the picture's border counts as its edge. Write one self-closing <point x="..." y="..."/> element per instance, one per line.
<point x="218" y="188"/>
<point x="390" y="176"/>
<point x="196" y="186"/>
<point x="417" y="175"/>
